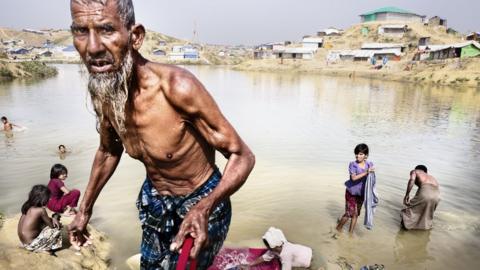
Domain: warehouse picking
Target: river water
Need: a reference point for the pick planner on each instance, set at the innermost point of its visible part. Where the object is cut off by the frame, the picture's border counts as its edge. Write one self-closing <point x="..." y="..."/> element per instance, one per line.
<point x="303" y="129"/>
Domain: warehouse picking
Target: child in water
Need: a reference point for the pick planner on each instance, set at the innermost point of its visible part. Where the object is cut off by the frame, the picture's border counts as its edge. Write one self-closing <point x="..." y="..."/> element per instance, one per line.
<point x="354" y="193"/>
<point x="62" y="200"/>
<point x="62" y="151"/>
<point x="36" y="230"/>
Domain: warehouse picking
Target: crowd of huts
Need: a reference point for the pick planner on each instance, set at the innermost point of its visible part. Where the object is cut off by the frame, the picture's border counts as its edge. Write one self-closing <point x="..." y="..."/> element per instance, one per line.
<point x="19" y="49"/>
<point x="393" y="24"/>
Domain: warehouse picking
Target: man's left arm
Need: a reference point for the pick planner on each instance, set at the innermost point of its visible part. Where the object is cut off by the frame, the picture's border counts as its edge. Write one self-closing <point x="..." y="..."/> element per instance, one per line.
<point x="189" y="95"/>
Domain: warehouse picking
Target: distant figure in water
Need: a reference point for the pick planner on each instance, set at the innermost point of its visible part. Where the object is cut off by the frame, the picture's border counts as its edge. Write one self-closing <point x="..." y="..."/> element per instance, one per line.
<point x="289" y="254"/>
<point x="36" y="230"/>
<point x="8" y="127"/>
<point x="418" y="213"/>
<point x="62" y="151"/>
<point x="62" y="200"/>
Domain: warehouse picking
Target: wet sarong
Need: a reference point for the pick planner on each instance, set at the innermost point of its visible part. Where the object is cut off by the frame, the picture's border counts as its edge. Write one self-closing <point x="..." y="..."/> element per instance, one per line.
<point x="48" y="239"/>
<point x="161" y="217"/>
<point x="353" y="204"/>
<point x="419" y="214"/>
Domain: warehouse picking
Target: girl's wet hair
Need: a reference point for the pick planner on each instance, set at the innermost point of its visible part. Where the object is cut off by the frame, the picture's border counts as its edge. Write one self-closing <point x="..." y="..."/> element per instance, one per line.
<point x="361" y="148"/>
<point x="57" y="170"/>
<point x="38" y="197"/>
<point x="4" y="118"/>
<point x="60" y="146"/>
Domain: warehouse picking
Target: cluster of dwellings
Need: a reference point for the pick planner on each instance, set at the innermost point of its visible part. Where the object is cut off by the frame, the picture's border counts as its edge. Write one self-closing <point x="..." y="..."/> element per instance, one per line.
<point x="40" y="49"/>
<point x="379" y="51"/>
<point x="286" y="50"/>
<point x="177" y="52"/>
<point x="390" y="22"/>
<point x="18" y="49"/>
<point x="466" y="49"/>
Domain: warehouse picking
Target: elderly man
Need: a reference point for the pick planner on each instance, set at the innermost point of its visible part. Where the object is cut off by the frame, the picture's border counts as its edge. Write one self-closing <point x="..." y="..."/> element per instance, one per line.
<point x="164" y="117"/>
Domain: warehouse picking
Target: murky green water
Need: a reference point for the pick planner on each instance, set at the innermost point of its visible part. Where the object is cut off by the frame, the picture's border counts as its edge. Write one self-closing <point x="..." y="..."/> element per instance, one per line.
<point x="303" y="129"/>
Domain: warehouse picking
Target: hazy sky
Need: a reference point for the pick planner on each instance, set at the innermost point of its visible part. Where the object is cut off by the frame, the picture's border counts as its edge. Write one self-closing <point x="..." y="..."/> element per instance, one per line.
<point x="242" y="21"/>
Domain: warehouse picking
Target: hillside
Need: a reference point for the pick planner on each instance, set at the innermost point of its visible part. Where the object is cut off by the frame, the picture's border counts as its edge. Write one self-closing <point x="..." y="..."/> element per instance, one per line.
<point x="453" y="71"/>
<point x="56" y="46"/>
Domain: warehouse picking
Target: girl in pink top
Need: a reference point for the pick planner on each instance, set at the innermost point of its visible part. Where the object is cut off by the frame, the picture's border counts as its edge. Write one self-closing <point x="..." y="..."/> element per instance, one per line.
<point x="62" y="199"/>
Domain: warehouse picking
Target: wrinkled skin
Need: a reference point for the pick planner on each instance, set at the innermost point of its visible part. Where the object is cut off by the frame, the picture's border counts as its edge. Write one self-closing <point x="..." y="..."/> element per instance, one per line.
<point x="173" y="125"/>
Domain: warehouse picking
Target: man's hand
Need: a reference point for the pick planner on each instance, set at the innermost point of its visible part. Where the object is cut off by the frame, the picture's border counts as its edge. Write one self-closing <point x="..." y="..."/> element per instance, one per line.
<point x="194" y="224"/>
<point x="77" y="230"/>
<point x="406" y="200"/>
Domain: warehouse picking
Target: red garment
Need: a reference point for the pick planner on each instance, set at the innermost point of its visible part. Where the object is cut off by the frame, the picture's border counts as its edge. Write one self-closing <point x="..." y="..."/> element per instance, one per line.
<point x="58" y="201"/>
<point x="232" y="258"/>
<point x="353" y="204"/>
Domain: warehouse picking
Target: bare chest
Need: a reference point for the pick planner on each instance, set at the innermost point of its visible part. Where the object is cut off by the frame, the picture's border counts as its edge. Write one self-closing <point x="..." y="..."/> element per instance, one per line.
<point x="155" y="132"/>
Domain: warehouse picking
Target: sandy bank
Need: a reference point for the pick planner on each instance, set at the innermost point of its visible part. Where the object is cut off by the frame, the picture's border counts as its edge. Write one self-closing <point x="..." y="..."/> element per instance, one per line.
<point x="25" y="70"/>
<point x="452" y="72"/>
<point x="95" y="257"/>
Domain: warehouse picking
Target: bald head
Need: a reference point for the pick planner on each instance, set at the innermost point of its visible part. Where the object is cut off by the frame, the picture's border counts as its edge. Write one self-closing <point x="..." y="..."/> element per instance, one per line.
<point x="124" y="8"/>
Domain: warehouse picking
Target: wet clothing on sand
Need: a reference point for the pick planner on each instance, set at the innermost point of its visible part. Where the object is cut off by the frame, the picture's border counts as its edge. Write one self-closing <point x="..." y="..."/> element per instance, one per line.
<point x="48" y="239"/>
<point x="58" y="201"/>
<point x="292" y="255"/>
<point x="161" y="217"/>
<point x="353" y="203"/>
<point x="419" y="214"/>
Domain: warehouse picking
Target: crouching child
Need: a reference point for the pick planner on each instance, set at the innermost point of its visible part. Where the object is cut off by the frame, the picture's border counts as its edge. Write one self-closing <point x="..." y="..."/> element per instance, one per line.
<point x="36" y="230"/>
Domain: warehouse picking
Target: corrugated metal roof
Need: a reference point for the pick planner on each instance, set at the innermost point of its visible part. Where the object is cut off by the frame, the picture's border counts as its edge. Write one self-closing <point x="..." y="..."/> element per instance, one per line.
<point x="381" y="45"/>
<point x="295" y="50"/>
<point x="434" y="48"/>
<point x="366" y="53"/>
<point x="389" y="10"/>
<point x="394" y="26"/>
<point x="312" y="40"/>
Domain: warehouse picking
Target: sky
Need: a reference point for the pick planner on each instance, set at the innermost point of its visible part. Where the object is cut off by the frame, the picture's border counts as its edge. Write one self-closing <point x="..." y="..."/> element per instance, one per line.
<point x="247" y="22"/>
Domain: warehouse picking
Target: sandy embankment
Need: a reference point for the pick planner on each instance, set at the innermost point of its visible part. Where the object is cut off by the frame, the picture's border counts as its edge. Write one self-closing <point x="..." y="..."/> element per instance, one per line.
<point x="452" y="72"/>
<point x="95" y="257"/>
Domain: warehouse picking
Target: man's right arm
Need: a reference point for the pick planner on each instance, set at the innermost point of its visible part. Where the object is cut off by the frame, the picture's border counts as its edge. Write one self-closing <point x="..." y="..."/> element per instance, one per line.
<point x="411" y="182"/>
<point x="105" y="162"/>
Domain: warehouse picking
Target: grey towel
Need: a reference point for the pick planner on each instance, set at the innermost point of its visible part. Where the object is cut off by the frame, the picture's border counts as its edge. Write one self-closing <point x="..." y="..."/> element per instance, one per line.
<point x="371" y="200"/>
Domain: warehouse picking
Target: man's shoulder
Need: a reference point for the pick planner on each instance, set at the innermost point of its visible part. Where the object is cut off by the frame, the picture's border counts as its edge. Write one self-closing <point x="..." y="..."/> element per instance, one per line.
<point x="179" y="85"/>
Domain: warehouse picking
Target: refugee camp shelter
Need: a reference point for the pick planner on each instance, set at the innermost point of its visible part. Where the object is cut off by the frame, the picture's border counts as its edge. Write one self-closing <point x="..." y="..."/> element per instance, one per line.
<point x="19" y="51"/>
<point x="423" y="41"/>
<point x="458" y="50"/>
<point x="312" y="42"/>
<point x="159" y="52"/>
<point x="294" y="53"/>
<point x="436" y="20"/>
<point x="391" y="14"/>
<point x="383" y="46"/>
<point x="392" y="30"/>
<point x="331" y="31"/>
<point x="473" y="36"/>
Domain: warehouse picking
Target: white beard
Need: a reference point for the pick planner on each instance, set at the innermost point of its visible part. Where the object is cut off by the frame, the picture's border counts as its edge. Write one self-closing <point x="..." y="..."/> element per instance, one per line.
<point x="111" y="89"/>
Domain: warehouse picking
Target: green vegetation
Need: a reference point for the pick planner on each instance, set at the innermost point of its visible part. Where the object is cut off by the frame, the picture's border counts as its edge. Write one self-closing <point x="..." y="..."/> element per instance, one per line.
<point x="6" y="73"/>
<point x="38" y="69"/>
